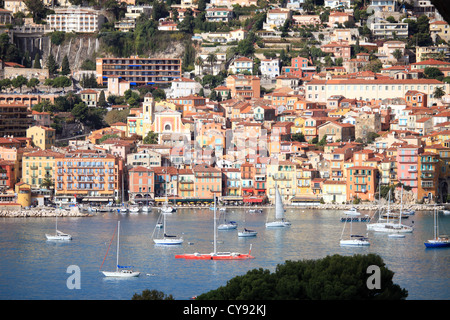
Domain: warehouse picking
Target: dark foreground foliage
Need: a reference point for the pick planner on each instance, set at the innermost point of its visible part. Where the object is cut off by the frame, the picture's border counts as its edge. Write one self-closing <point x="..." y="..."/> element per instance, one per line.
<point x="331" y="278"/>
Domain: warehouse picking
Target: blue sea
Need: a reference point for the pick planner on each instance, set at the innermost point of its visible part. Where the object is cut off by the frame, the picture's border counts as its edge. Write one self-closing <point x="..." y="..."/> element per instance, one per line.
<point x="33" y="268"/>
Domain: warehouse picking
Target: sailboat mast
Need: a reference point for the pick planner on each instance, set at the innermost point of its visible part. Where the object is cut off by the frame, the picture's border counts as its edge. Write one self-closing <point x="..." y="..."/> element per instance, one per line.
<point x="118" y="236"/>
<point x="215" y="242"/>
<point x="401" y="208"/>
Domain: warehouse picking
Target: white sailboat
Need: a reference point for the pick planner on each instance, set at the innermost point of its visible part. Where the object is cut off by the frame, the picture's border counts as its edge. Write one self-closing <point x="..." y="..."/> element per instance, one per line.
<point x="121" y="271"/>
<point x="59" y="235"/>
<point x="280" y="221"/>
<point x="166" y="208"/>
<point x="166" y="239"/>
<point x="355" y="240"/>
<point x="390" y="226"/>
<point x="134" y="209"/>
<point x="247" y="232"/>
<point x="227" y="225"/>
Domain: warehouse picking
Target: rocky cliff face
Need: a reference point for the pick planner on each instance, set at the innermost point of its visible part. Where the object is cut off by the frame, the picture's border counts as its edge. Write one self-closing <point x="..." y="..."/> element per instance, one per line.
<point x="77" y="49"/>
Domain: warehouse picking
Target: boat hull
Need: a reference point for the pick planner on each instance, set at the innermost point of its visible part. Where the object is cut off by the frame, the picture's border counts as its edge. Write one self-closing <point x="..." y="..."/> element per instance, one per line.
<point x="168" y="242"/>
<point x="278" y="224"/>
<point x="437" y="244"/>
<point x="389" y="227"/>
<point x="58" y="237"/>
<point x="121" y="274"/>
<point x="217" y="256"/>
<point x="247" y="234"/>
<point x="354" y="243"/>
<point x="227" y="227"/>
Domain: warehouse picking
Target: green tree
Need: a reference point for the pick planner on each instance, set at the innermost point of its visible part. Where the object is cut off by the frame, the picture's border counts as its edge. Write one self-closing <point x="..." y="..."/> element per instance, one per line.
<point x="62" y="82"/>
<point x="52" y="65"/>
<point x="334" y="277"/>
<point x="433" y="73"/>
<point x="152" y="295"/>
<point x="33" y="83"/>
<point x="37" y="9"/>
<point x="102" y="100"/>
<point x="438" y="92"/>
<point x="397" y="54"/>
<point x="5" y="84"/>
<point x="298" y="137"/>
<point x="57" y="37"/>
<point x="37" y="61"/>
<point x="19" y="82"/>
<point x="80" y="111"/>
<point x="151" y="138"/>
<point x="65" y="67"/>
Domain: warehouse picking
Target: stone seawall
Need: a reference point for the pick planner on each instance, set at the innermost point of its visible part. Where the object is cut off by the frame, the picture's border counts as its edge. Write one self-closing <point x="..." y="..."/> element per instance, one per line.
<point x="75" y="212"/>
<point x="43" y="212"/>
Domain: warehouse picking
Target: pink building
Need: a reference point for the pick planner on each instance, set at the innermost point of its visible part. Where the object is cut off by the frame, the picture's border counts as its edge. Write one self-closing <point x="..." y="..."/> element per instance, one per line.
<point x="407" y="162"/>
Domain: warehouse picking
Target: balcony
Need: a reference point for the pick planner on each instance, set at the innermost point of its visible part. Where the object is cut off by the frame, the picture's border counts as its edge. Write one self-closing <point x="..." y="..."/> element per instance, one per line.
<point x="429" y="160"/>
<point x="280" y="177"/>
<point x="427" y="185"/>
<point x="427" y="176"/>
<point x="412" y="170"/>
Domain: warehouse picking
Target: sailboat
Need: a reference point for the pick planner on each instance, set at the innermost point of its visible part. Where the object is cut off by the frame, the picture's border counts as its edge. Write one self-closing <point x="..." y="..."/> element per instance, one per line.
<point x="134" y="209"/>
<point x="355" y="240"/>
<point x="59" y="235"/>
<point x="438" y="241"/>
<point x="216" y="255"/>
<point x="121" y="271"/>
<point x="166" y="208"/>
<point x="279" y="221"/>
<point x="166" y="239"/>
<point x="247" y="232"/>
<point x="227" y="225"/>
<point x="387" y="226"/>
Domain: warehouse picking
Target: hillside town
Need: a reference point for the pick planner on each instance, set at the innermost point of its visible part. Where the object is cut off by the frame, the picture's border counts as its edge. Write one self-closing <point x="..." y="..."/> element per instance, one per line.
<point x="331" y="102"/>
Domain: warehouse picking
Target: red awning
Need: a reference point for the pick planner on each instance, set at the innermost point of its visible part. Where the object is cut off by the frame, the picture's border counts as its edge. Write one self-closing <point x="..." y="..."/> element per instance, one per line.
<point x="253" y="199"/>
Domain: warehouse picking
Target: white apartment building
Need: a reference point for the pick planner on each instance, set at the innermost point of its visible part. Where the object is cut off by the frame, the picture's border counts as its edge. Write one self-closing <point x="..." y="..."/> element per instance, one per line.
<point x="73" y="19"/>
<point x="270" y="68"/>
<point x="183" y="87"/>
<point x="333" y="4"/>
<point x="384" y="29"/>
<point x="378" y="89"/>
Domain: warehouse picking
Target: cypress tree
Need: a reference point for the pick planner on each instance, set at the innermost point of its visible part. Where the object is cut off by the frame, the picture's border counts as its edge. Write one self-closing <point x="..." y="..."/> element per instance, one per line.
<point x="52" y="65"/>
<point x="65" y="67"/>
<point x="37" y="61"/>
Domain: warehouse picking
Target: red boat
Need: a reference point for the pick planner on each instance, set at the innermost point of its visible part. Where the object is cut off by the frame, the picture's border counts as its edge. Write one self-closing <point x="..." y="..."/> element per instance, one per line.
<point x="216" y="255"/>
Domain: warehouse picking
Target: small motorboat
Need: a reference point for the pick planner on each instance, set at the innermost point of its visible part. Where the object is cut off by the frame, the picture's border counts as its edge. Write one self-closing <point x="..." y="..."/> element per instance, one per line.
<point x="247" y="233"/>
<point x="352" y="212"/>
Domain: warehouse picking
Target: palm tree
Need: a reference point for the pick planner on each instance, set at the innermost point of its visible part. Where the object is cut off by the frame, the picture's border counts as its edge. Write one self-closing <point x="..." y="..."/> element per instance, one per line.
<point x="397" y="54"/>
<point x="438" y="92"/>
<point x="199" y="63"/>
<point x="211" y="59"/>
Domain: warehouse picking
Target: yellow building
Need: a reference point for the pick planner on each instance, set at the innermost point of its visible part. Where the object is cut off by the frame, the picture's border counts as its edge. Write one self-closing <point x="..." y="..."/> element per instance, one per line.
<point x="334" y="191"/>
<point x="281" y="174"/>
<point x="38" y="168"/>
<point x="23" y="191"/>
<point x="42" y="137"/>
<point x="298" y="126"/>
<point x="440" y="30"/>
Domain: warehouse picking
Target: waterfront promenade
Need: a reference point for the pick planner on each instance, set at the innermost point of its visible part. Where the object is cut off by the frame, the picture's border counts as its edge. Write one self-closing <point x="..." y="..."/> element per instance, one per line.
<point x="83" y="212"/>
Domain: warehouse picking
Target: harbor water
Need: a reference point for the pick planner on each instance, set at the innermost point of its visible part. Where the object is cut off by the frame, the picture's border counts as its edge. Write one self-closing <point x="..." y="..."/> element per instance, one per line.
<point x="36" y="269"/>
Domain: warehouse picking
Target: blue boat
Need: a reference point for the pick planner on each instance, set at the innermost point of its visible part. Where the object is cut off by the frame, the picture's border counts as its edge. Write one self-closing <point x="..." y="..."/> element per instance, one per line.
<point x="438" y="241"/>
